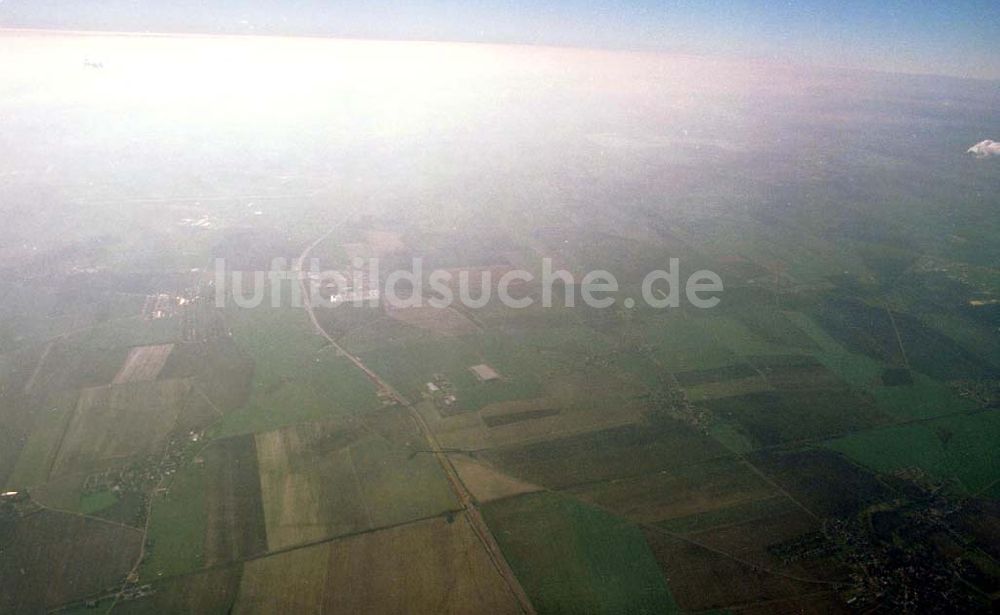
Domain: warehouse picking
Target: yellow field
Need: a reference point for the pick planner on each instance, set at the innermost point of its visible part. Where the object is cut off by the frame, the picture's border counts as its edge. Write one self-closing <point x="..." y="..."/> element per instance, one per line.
<point x="440" y="320"/>
<point x="469" y="431"/>
<point x="304" y="502"/>
<point x="143" y="363"/>
<point x="333" y="478"/>
<point x="485" y="482"/>
<point x="430" y="566"/>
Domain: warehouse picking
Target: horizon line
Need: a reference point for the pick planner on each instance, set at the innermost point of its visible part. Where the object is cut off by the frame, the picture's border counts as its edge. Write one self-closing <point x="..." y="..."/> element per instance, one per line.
<point x="607" y="48"/>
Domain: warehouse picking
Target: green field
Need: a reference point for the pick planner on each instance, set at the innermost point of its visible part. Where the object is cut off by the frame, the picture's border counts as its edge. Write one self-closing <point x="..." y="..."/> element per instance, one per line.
<point x="95" y="502"/>
<point x="175" y="544"/>
<point x="924" y="399"/>
<point x="296" y="377"/>
<point x="858" y="370"/>
<point x="572" y="558"/>
<point x="39" y="453"/>
<point x="959" y="449"/>
<point x="681" y="344"/>
<point x="410" y="366"/>
<point x="125" y="332"/>
<point x="606" y="454"/>
<point x="207" y="592"/>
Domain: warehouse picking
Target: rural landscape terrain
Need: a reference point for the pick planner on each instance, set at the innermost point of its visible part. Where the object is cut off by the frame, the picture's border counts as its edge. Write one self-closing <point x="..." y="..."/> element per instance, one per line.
<point x="823" y="440"/>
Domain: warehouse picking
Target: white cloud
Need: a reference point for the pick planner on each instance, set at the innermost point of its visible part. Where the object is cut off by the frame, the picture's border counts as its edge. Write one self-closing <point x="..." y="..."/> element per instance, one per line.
<point x="985" y="149"/>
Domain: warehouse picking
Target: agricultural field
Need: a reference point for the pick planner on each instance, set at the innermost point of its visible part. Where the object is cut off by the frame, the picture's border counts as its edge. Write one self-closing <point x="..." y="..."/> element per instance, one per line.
<point x="679" y="343"/>
<point x="309" y="485"/>
<point x="577" y="398"/>
<point x="410" y="367"/>
<point x="213" y="591"/>
<point x="50" y="558"/>
<point x="703" y="579"/>
<point x="38" y="455"/>
<point x="574" y="558"/>
<point x="223" y="372"/>
<point x="143" y="363"/>
<point x="296" y="377"/>
<point x="207" y="514"/>
<point x="119" y="421"/>
<point x="66" y="365"/>
<point x="443" y="321"/>
<point x="957" y="450"/>
<point x="177" y="522"/>
<point x="432" y="565"/>
<point x="897" y="338"/>
<point x="790" y="543"/>
<point x="329" y="479"/>
<point x="771" y="418"/>
<point x="822" y="482"/>
<point x="485" y="482"/>
<point x="606" y="454"/>
<point x="234" y="511"/>
<point x="127" y="332"/>
<point x="695" y="491"/>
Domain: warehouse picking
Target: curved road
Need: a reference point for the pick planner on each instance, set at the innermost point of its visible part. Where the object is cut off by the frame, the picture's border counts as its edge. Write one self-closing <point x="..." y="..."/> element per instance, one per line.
<point x="472" y="514"/>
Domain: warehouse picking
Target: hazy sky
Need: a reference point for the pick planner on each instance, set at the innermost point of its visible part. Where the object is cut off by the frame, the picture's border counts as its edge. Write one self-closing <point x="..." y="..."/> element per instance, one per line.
<point x="953" y="37"/>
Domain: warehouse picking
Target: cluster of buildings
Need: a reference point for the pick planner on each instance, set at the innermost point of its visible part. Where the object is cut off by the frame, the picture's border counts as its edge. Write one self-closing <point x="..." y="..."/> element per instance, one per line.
<point x="346" y="288"/>
<point x="441" y="390"/>
<point x="161" y="305"/>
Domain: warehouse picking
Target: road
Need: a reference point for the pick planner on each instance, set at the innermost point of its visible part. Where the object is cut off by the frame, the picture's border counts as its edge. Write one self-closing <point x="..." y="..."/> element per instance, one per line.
<point x="462" y="494"/>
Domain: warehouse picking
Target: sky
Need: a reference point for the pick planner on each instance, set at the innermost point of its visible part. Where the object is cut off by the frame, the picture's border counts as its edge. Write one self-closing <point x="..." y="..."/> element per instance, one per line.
<point x="949" y="37"/>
